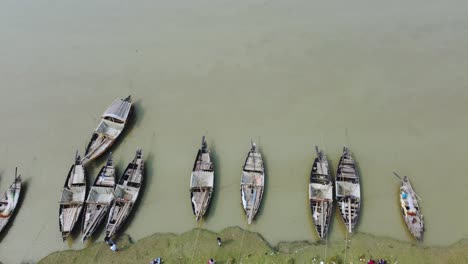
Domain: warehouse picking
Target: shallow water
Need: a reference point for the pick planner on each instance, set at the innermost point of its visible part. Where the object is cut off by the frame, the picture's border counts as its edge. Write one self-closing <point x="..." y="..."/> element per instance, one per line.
<point x="387" y="79"/>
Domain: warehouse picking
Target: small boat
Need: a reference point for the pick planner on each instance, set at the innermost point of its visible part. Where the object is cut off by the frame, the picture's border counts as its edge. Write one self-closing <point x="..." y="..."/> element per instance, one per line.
<point x="126" y="193"/>
<point x="9" y="201"/>
<point x="410" y="208"/>
<point x="73" y="197"/>
<point x="99" y="199"/>
<point x="252" y="183"/>
<point x="111" y="125"/>
<point x="321" y="194"/>
<point x="348" y="190"/>
<point x="201" y="181"/>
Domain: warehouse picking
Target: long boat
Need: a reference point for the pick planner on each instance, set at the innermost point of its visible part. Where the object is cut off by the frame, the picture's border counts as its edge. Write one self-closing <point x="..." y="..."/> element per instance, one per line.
<point x="126" y="193"/>
<point x="410" y="209"/>
<point x="252" y="183"/>
<point x="112" y="123"/>
<point x="348" y="190"/>
<point x="73" y="197"/>
<point x="99" y="200"/>
<point x="321" y="194"/>
<point x="9" y="200"/>
<point x="201" y="181"/>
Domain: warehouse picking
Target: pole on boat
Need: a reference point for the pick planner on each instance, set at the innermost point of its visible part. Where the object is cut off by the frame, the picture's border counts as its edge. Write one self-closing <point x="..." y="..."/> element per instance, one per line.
<point x="401" y="179"/>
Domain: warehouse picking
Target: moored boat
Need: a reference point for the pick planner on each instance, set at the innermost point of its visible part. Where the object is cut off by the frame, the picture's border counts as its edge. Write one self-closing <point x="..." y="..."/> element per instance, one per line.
<point x="73" y="197"/>
<point x="410" y="209"/>
<point x="9" y="201"/>
<point x="126" y="193"/>
<point x="112" y="123"/>
<point x="348" y="190"/>
<point x="252" y="183"/>
<point x="99" y="199"/>
<point x="201" y="181"/>
<point x="321" y="194"/>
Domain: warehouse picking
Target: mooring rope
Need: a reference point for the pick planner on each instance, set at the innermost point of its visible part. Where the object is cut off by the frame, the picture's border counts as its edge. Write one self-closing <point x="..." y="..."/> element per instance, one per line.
<point x="346" y="247"/>
<point x="199" y="226"/>
<point x="244" y="229"/>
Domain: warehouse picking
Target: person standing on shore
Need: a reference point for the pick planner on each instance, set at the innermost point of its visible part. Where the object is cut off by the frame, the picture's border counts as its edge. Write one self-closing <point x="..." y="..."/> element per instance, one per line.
<point x="218" y="239"/>
<point x="112" y="244"/>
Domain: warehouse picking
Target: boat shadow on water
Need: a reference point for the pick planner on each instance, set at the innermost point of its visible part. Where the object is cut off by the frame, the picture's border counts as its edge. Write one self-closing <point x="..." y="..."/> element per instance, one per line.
<point x="24" y="190"/>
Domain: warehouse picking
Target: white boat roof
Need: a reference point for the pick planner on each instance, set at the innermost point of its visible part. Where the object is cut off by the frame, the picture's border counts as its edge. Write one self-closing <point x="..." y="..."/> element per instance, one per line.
<point x="119" y="109"/>
<point x="253" y="178"/>
<point x="348" y="189"/>
<point x="202" y="179"/>
<point x="320" y="191"/>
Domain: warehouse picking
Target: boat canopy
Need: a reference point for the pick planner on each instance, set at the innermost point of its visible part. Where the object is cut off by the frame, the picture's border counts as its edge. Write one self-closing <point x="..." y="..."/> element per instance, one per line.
<point x="348" y="189"/>
<point x="202" y="179"/>
<point x="320" y="191"/>
<point x="101" y="195"/>
<point x="251" y="178"/>
<point x="119" y="110"/>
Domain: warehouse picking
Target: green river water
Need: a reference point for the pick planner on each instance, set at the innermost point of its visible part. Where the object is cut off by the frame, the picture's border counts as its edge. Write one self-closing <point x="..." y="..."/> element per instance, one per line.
<point x="388" y="79"/>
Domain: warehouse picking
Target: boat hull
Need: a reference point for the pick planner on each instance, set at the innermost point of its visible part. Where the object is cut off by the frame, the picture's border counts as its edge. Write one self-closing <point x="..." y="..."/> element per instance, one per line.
<point x="9" y="202"/>
<point x="252" y="183"/>
<point x="201" y="182"/>
<point x="410" y="210"/>
<point x="126" y="194"/>
<point x="348" y="190"/>
<point x="321" y="194"/>
<point x="72" y="200"/>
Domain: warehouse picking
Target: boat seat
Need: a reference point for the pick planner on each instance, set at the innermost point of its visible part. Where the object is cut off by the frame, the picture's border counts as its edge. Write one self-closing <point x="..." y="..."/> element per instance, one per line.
<point x="134" y="184"/>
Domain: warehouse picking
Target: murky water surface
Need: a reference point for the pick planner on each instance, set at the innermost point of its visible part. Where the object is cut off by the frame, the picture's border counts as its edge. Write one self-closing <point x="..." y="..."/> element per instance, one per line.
<point x="387" y="79"/>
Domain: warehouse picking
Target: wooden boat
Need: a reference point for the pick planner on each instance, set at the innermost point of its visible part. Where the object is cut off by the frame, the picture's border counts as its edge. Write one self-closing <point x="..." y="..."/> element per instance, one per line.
<point x="111" y="125"/>
<point x="9" y="201"/>
<point x="410" y="209"/>
<point x="126" y="193"/>
<point x="321" y="194"/>
<point x="73" y="197"/>
<point x="348" y="190"/>
<point x="99" y="200"/>
<point x="252" y="183"/>
<point x="201" y="181"/>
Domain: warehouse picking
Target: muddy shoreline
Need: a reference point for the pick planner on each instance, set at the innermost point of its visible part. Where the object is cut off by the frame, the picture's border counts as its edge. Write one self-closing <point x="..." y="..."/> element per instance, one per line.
<point x="242" y="246"/>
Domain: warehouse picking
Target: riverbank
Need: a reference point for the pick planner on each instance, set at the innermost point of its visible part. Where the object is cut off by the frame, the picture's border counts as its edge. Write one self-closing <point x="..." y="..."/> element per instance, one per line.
<point x="241" y="246"/>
